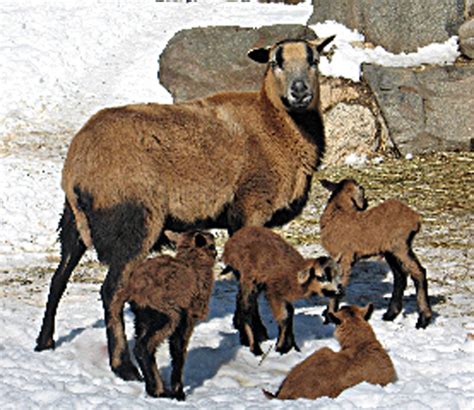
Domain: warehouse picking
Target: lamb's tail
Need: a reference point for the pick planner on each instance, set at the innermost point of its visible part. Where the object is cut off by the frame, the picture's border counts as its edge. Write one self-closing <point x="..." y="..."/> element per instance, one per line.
<point x="268" y="395"/>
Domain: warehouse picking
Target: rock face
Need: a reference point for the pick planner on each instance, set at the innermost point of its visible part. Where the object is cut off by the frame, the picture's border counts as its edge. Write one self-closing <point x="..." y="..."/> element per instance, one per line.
<point x="396" y="25"/>
<point x="202" y="61"/>
<point x="466" y="38"/>
<point x="427" y="109"/>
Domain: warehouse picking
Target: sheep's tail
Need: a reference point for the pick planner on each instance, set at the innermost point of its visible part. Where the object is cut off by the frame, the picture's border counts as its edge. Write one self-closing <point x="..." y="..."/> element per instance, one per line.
<point x="268" y="395"/>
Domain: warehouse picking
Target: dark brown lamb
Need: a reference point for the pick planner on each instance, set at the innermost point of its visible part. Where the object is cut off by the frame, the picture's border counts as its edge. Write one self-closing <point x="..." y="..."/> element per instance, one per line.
<point x="264" y="261"/>
<point x="328" y="373"/>
<point x="226" y="161"/>
<point x="352" y="232"/>
<point x="168" y="295"/>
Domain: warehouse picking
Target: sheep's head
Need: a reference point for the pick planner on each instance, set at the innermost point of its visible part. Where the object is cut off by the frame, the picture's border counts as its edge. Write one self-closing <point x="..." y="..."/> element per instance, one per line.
<point x="321" y="277"/>
<point x="347" y="192"/>
<point x="350" y="320"/>
<point x="196" y="241"/>
<point x="292" y="78"/>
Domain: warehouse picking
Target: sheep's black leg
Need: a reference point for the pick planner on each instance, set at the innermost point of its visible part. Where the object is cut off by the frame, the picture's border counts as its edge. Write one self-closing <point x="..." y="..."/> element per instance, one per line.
<point x="258" y="327"/>
<point x="72" y="249"/>
<point x="283" y="313"/>
<point x="248" y="301"/>
<point x="399" y="286"/>
<point x="119" y="354"/>
<point x="179" y="341"/>
<point x="118" y="234"/>
<point x="151" y="328"/>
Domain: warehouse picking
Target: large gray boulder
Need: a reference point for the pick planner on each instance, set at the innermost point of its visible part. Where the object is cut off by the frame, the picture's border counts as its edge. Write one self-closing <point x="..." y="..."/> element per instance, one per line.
<point x="397" y="25"/>
<point x="466" y="38"/>
<point x="201" y="61"/>
<point x="426" y="109"/>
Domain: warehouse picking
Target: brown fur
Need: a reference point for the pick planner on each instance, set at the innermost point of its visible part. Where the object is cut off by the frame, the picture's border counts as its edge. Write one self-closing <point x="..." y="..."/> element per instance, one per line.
<point x="227" y="161"/>
<point x="327" y="373"/>
<point x="176" y="290"/>
<point x="352" y="232"/>
<point x="264" y="261"/>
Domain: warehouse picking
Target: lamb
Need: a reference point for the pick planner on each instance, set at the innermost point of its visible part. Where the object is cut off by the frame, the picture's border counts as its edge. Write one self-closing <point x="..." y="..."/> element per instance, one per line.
<point x="327" y="373"/>
<point x="352" y="232"/>
<point x="264" y="261"/>
<point x="226" y="161"/>
<point x="168" y="295"/>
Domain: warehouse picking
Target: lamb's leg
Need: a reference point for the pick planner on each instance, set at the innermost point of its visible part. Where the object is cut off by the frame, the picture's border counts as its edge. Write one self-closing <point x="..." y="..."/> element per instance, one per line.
<point x="249" y="298"/>
<point x="152" y="328"/>
<point x="411" y="264"/>
<point x="283" y="313"/>
<point x="179" y="341"/>
<point x="399" y="286"/>
<point x="72" y="249"/>
<point x="345" y="263"/>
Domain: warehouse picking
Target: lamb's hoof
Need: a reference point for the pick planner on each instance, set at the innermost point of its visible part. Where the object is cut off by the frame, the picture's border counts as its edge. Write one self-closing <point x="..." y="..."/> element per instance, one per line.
<point x="325" y="316"/>
<point x="44" y="345"/>
<point x="257" y="351"/>
<point x="423" y="321"/>
<point x="389" y="315"/>
<point x="128" y="372"/>
<point x="285" y="348"/>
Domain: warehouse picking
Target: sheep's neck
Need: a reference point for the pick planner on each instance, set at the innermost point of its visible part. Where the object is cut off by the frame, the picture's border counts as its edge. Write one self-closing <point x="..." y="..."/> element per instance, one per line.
<point x="305" y="127"/>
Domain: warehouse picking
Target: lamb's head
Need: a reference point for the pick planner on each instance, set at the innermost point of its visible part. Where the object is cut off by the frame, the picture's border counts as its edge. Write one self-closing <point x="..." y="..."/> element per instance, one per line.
<point x="347" y="192"/>
<point x="321" y="277"/>
<point x="201" y="244"/>
<point x="292" y="77"/>
<point x="350" y="321"/>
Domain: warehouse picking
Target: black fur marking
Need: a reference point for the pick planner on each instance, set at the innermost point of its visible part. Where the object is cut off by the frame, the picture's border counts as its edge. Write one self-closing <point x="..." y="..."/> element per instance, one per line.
<point x="285" y="215"/>
<point x="310" y="55"/>
<point x="117" y="232"/>
<point x="279" y="57"/>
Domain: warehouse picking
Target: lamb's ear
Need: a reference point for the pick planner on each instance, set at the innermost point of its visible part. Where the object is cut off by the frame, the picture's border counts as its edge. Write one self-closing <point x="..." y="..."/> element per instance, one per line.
<point x="260" y="55"/>
<point x="367" y="311"/>
<point x="172" y="236"/>
<point x="330" y="186"/>
<point x="320" y="43"/>
<point x="333" y="318"/>
<point x="200" y="240"/>
<point x="305" y="275"/>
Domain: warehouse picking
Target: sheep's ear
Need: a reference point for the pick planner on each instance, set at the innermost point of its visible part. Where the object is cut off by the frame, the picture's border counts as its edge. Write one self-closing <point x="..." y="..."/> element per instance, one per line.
<point x="305" y="275"/>
<point x="367" y="311"/>
<point x="330" y="186"/>
<point x="172" y="236"/>
<point x="333" y="318"/>
<point x="200" y="240"/>
<point x="320" y="43"/>
<point x="260" y="55"/>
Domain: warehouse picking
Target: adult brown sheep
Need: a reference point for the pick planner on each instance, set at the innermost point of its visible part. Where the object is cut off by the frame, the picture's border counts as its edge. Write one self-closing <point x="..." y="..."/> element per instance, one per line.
<point x="227" y="161"/>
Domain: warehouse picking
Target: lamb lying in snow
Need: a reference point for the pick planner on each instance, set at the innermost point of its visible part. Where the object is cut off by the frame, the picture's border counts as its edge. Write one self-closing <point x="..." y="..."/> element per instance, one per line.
<point x="327" y="373"/>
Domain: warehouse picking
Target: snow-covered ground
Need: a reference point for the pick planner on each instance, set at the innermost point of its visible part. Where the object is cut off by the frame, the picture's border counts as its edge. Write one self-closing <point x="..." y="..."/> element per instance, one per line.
<point x="62" y="61"/>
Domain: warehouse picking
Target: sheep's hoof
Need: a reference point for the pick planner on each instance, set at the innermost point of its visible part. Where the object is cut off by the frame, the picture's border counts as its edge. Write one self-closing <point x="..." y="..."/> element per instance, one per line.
<point x="285" y="348"/>
<point x="40" y="345"/>
<point x="128" y="372"/>
<point x="325" y="316"/>
<point x="423" y="321"/>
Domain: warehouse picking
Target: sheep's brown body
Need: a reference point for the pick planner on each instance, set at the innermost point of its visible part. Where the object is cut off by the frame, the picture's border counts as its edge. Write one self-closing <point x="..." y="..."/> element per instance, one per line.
<point x="168" y="295"/>
<point x="264" y="261"/>
<point x="327" y="373"/>
<point x="353" y="232"/>
<point x="226" y="161"/>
